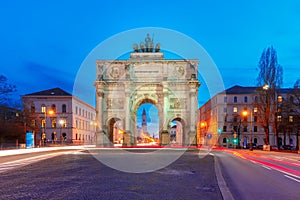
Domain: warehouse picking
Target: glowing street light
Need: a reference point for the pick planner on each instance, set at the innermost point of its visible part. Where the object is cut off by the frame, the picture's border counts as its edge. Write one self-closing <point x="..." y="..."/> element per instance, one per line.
<point x="266" y="87"/>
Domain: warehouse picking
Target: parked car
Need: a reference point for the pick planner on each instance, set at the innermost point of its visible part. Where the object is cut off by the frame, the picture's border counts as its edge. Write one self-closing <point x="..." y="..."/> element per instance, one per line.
<point x="274" y="147"/>
<point x="287" y="147"/>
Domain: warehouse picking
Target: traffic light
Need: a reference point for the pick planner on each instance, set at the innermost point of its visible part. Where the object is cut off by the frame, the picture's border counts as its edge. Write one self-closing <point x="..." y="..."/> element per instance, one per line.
<point x="234" y="141"/>
<point x="219" y="130"/>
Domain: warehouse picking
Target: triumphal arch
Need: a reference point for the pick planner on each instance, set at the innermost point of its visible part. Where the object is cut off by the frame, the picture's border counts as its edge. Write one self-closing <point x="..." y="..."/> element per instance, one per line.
<point x="146" y="77"/>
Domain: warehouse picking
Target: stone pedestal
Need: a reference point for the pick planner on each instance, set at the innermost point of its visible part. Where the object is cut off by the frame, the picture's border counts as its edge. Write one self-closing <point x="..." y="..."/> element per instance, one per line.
<point x="192" y="139"/>
<point x="165" y="138"/>
<point x="101" y="139"/>
<point x="266" y="147"/>
<point x="127" y="139"/>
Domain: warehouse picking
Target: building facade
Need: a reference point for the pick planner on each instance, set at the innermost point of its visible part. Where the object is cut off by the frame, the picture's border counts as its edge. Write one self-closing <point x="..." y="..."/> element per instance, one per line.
<point x="56" y="116"/>
<point x="231" y="119"/>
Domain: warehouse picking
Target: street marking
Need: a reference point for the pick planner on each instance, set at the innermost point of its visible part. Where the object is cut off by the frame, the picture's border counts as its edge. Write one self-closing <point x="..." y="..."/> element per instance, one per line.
<point x="211" y="154"/>
<point x="253" y="162"/>
<point x="266" y="167"/>
<point x="26" y="161"/>
<point x="292" y="178"/>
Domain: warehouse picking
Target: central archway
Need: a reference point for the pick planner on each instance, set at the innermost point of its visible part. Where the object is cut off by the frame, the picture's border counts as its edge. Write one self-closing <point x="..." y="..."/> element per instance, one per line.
<point x="147" y="124"/>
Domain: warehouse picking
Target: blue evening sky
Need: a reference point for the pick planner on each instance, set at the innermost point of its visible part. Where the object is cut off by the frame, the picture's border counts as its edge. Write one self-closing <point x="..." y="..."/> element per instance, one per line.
<point x="43" y="43"/>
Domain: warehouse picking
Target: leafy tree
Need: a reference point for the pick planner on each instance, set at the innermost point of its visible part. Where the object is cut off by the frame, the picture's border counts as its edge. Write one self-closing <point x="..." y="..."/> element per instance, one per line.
<point x="270" y="75"/>
<point x="5" y="90"/>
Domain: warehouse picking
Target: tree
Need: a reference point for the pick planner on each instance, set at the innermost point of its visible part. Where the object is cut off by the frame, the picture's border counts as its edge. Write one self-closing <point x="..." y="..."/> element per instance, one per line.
<point x="296" y="102"/>
<point x="270" y="76"/>
<point x="5" y="90"/>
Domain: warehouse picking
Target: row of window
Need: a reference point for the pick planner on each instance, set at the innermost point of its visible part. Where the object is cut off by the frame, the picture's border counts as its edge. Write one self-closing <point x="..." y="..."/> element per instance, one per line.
<point x="245" y="128"/>
<point x="62" y="122"/>
<point x="83" y="137"/>
<point x="84" y="113"/>
<point x="235" y="99"/>
<point x="290" y="119"/>
<point x="52" y="108"/>
<point x="85" y="125"/>
<point x="235" y="109"/>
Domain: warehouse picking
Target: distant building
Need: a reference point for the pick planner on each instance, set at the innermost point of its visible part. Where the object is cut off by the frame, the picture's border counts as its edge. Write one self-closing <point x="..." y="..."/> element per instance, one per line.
<point x="144" y="121"/>
<point x="222" y="123"/>
<point x="57" y="116"/>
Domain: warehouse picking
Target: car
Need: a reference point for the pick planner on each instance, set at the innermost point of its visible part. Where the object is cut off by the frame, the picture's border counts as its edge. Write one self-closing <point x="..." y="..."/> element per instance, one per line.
<point x="274" y="147"/>
<point x="287" y="147"/>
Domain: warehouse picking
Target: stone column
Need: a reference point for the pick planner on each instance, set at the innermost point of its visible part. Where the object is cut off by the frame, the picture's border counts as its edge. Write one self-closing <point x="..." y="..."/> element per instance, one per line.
<point x="128" y="140"/>
<point x="193" y="84"/>
<point x="100" y="134"/>
<point x="165" y="136"/>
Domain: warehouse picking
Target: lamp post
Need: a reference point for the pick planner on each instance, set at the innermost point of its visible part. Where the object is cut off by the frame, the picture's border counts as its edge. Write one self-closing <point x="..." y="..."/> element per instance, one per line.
<point x="203" y="126"/>
<point x="43" y="136"/>
<point x="61" y="122"/>
<point x="245" y="113"/>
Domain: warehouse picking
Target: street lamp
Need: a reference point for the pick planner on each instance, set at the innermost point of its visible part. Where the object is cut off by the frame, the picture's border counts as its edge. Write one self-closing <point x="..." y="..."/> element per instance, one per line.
<point x="61" y="122"/>
<point x="203" y="126"/>
<point x="245" y="113"/>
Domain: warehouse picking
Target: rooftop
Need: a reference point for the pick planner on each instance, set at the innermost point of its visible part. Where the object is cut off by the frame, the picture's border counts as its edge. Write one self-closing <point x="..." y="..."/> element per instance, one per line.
<point x="50" y="92"/>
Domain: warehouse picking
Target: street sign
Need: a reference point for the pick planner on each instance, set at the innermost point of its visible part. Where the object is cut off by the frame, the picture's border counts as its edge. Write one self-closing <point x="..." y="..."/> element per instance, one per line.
<point x="209" y="136"/>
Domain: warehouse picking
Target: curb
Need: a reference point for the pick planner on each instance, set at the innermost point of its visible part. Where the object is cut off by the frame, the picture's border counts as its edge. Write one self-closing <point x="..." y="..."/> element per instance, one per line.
<point x="226" y="194"/>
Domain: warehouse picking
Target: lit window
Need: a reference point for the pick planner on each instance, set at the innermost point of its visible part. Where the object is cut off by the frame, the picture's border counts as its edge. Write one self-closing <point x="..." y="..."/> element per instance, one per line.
<point x="43" y="123"/>
<point x="43" y="108"/>
<point x="63" y="123"/>
<point x="279" y="118"/>
<point x="235" y="109"/>
<point x="53" y="123"/>
<point x="291" y="119"/>
<point x="279" y="99"/>
<point x="255" y="109"/>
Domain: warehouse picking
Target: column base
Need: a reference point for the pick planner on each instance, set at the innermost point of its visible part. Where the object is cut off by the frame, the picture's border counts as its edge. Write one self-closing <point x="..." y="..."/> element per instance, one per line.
<point x="101" y="139"/>
<point x="192" y="138"/>
<point x="127" y="139"/>
<point x="165" y="138"/>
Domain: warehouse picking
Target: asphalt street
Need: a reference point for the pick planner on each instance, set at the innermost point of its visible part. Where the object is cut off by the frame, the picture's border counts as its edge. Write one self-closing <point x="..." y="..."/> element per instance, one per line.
<point x="78" y="175"/>
<point x="251" y="180"/>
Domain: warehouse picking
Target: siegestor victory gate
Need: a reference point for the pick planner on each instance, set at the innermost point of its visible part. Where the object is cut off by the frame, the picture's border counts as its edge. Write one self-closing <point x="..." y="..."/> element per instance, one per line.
<point x="146" y="77"/>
